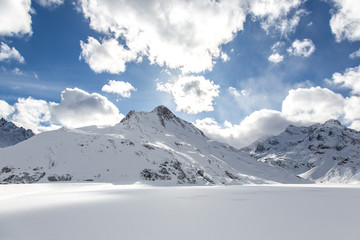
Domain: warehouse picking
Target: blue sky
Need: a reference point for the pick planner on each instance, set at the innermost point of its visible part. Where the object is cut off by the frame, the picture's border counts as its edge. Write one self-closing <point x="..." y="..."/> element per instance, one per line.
<point x="237" y="69"/>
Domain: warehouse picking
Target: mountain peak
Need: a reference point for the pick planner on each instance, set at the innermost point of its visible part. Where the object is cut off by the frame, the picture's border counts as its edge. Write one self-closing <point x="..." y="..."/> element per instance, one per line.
<point x="160" y="116"/>
<point x="163" y="113"/>
<point x="128" y="116"/>
<point x="10" y="134"/>
<point x="332" y="122"/>
<point x="2" y="121"/>
<point x="162" y="110"/>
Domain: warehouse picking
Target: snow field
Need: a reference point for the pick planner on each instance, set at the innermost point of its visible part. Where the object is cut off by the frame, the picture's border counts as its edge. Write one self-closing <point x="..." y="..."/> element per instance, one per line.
<point x="107" y="211"/>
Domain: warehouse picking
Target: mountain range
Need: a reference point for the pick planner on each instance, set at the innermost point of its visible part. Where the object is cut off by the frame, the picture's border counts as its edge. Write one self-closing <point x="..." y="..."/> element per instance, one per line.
<point x="159" y="148"/>
<point x="153" y="147"/>
<point x="324" y="153"/>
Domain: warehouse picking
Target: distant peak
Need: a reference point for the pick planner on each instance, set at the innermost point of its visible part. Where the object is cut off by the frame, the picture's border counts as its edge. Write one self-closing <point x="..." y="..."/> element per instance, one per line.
<point x="164" y="114"/>
<point x="4" y="122"/>
<point x="127" y="117"/>
<point x="11" y="134"/>
<point x="332" y="122"/>
<point x="162" y="110"/>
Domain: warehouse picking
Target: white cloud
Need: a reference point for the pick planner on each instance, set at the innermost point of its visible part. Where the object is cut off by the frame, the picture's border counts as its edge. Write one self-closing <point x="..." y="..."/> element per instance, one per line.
<point x="50" y="3"/>
<point x="277" y="46"/>
<point x="192" y="94"/>
<point x="345" y="20"/>
<point x="355" y="54"/>
<point x="257" y="125"/>
<point x="185" y="35"/>
<point x="224" y="57"/>
<point x="276" y="58"/>
<point x="7" y="53"/>
<point x="350" y="79"/>
<point x="119" y="87"/>
<point x="17" y="71"/>
<point x="316" y="104"/>
<point x="355" y="125"/>
<point x="352" y="109"/>
<point x="76" y="109"/>
<point x="302" y="106"/>
<point x="15" y="17"/>
<point x="79" y="108"/>
<point x="352" y="112"/>
<point x="5" y="109"/>
<point x="108" y="56"/>
<point x="274" y="14"/>
<point x="178" y="34"/>
<point x="236" y="93"/>
<point x="302" y="48"/>
<point x="33" y="114"/>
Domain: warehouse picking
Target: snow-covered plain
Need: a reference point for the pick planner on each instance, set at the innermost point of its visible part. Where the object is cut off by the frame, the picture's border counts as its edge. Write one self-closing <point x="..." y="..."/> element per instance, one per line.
<point x="76" y="211"/>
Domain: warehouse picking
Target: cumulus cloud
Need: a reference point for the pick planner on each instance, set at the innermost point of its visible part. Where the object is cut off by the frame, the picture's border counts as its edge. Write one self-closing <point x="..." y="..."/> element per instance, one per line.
<point x="192" y="94"/>
<point x="185" y="35"/>
<point x="350" y="79"/>
<point x="7" y="53"/>
<point x="5" y="109"/>
<point x="76" y="109"/>
<point x="355" y="125"/>
<point x="118" y="87"/>
<point x="316" y="104"/>
<point x="302" y="48"/>
<point x="274" y="14"/>
<point x="257" y="125"/>
<point x="178" y="34"/>
<point x="15" y="17"/>
<point x="33" y="114"/>
<point x="352" y="112"/>
<point x="302" y="106"/>
<point x="352" y="109"/>
<point x="108" y="56"/>
<point x="355" y="54"/>
<point x="50" y="3"/>
<point x="79" y="108"/>
<point x="276" y="58"/>
<point x="345" y="20"/>
<point x="224" y="57"/>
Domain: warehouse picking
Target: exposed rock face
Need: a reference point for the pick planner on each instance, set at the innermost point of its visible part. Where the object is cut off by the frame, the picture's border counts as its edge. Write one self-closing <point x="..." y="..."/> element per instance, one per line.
<point x="326" y="152"/>
<point x="10" y="134"/>
<point x="59" y="178"/>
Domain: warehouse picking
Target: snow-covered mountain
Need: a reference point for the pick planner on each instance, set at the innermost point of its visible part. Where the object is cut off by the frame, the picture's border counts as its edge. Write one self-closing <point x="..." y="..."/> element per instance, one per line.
<point x="328" y="152"/>
<point x="10" y="134"/>
<point x="152" y="147"/>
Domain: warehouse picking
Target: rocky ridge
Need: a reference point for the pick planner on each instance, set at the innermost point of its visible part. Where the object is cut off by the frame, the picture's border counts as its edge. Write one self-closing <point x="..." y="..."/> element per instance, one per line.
<point x="328" y="152"/>
<point x="10" y="134"/>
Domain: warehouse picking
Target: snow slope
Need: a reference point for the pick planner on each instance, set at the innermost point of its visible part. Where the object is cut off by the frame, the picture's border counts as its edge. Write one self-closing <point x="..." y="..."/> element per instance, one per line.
<point x="10" y="134"/>
<point x="154" y="147"/>
<point x="326" y="153"/>
<point x="105" y="211"/>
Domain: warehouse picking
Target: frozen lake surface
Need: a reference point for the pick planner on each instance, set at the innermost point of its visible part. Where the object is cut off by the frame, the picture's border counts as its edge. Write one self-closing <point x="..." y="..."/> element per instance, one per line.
<point x="108" y="211"/>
